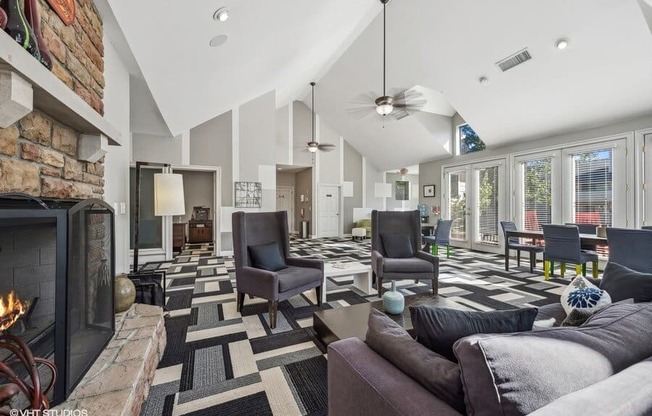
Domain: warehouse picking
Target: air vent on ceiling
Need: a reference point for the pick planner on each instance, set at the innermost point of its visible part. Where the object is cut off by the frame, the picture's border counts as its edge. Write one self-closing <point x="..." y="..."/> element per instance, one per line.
<point x="514" y="60"/>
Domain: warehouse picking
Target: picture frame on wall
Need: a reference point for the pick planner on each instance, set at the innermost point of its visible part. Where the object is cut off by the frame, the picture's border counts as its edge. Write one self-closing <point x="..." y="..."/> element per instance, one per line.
<point x="428" y="191"/>
<point x="402" y="191"/>
<point x="248" y="194"/>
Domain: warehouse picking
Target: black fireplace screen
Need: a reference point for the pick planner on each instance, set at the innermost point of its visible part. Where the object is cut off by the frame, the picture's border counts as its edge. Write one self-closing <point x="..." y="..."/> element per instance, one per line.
<point x="59" y="256"/>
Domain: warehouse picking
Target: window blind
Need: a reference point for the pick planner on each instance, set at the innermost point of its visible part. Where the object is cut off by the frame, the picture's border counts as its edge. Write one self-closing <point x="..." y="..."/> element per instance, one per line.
<point x="488" y="205"/>
<point x="593" y="185"/>
<point x="537" y="193"/>
<point x="457" y="204"/>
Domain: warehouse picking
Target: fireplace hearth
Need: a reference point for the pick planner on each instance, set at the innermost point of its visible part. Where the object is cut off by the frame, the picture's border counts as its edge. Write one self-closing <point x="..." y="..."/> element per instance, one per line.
<point x="58" y="256"/>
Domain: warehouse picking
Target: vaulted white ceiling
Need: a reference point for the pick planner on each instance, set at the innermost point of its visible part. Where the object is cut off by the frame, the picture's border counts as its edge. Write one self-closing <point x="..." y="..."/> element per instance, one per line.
<point x="272" y="45"/>
<point x="442" y="46"/>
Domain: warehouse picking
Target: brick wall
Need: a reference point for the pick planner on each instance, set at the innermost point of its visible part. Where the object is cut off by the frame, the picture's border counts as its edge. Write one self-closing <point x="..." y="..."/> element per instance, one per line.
<point x="77" y="50"/>
<point x="38" y="155"/>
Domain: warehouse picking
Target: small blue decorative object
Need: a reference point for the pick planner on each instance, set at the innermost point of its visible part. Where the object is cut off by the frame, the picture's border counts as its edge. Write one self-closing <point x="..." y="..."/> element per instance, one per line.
<point x="393" y="301"/>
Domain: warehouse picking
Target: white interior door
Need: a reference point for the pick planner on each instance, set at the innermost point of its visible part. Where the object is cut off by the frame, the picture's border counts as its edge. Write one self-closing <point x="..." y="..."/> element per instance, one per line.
<point x="646" y="171"/>
<point x="456" y="205"/>
<point x="329" y="210"/>
<point x="285" y="202"/>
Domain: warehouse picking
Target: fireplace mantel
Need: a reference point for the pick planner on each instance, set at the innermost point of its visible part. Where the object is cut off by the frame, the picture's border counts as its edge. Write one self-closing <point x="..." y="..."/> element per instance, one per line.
<point x="53" y="97"/>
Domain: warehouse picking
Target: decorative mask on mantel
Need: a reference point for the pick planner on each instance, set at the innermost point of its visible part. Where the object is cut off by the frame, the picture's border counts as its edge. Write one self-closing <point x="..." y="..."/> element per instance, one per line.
<point x="65" y="9"/>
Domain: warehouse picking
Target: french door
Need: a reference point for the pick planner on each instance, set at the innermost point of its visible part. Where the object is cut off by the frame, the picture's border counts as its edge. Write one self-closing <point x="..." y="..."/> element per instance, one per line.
<point x="646" y="172"/>
<point x="474" y="198"/>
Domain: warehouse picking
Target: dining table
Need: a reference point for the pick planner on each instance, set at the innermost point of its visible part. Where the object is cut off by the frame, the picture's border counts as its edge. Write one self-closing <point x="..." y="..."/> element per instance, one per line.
<point x="585" y="239"/>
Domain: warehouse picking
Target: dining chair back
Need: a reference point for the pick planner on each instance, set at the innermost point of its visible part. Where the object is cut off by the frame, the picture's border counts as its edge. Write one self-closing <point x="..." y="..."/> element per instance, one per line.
<point x="514" y="243"/>
<point x="631" y="248"/>
<point x="563" y="244"/>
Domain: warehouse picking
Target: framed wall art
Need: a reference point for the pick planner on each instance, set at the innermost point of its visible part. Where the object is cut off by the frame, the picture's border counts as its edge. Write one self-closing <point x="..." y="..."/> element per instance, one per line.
<point x="248" y="194"/>
<point x="428" y="191"/>
<point x="402" y="191"/>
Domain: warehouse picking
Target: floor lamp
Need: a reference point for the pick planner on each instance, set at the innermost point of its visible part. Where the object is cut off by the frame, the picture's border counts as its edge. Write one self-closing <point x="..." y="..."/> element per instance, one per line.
<point x="168" y="199"/>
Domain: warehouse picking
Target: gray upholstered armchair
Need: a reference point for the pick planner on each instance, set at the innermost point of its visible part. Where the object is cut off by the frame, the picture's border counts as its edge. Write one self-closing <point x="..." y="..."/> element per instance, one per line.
<point x="260" y="239"/>
<point x="396" y="249"/>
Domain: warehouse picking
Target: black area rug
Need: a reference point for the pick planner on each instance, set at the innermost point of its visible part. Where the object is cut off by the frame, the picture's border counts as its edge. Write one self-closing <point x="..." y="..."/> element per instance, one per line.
<point x="221" y="362"/>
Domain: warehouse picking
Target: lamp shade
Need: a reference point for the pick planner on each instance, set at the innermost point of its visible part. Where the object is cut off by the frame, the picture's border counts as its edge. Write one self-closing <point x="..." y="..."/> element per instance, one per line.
<point x="168" y="194"/>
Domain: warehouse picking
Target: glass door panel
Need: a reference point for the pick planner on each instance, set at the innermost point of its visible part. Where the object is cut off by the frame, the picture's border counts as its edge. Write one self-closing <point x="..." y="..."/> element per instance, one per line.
<point x="457" y="204"/>
<point x="486" y="206"/>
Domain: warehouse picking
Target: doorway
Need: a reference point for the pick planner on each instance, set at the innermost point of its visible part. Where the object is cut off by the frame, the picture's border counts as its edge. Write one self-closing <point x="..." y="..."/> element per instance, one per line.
<point x="474" y="200"/>
<point x="285" y="202"/>
<point x="197" y="226"/>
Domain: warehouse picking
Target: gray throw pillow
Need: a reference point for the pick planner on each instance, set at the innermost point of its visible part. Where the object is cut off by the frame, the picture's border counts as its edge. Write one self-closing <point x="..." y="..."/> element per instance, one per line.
<point x="578" y="316"/>
<point x="623" y="283"/>
<point x="439" y="328"/>
<point x="437" y="374"/>
<point x="515" y="374"/>
<point x="397" y="246"/>
<point x="267" y="257"/>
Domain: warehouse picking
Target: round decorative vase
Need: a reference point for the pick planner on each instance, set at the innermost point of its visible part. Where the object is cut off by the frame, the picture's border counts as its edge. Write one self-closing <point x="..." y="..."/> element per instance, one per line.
<point x="125" y="293"/>
<point x="393" y="301"/>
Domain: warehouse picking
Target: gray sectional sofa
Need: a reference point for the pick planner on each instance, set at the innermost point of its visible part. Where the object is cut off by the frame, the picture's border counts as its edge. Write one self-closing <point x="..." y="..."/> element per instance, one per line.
<point x="603" y="367"/>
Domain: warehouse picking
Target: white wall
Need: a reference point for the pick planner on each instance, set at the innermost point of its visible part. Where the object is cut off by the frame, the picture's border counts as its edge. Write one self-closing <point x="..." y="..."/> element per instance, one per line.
<point x="302" y="134"/>
<point x="116" y="164"/>
<point x="197" y="191"/>
<point x="144" y="113"/>
<point x="284" y="151"/>
<point x="371" y="177"/>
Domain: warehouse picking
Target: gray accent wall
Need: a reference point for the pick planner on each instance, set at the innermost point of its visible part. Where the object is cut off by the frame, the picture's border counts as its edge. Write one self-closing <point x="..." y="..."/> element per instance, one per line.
<point x="285" y="179"/>
<point x="302" y="134"/>
<point x="372" y="176"/>
<point x="257" y="144"/>
<point x="352" y="173"/>
<point x="211" y="144"/>
<point x="303" y="187"/>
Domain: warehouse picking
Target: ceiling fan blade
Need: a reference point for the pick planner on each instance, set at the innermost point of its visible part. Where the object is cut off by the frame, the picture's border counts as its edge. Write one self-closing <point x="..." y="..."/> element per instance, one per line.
<point x="326" y="147"/>
<point x="367" y="98"/>
<point x="415" y="105"/>
<point x="361" y="112"/>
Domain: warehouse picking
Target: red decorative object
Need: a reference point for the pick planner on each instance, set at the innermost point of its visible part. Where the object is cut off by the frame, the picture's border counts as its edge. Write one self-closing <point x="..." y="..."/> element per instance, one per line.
<point x="3" y="19"/>
<point x="65" y="9"/>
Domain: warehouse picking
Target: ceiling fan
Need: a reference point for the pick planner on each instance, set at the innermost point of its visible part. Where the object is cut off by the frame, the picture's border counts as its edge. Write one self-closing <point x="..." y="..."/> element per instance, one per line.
<point x="398" y="103"/>
<point x="312" y="145"/>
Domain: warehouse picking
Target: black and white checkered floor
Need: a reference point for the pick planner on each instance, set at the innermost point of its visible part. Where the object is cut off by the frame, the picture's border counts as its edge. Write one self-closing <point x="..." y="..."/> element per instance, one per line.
<point x="222" y="362"/>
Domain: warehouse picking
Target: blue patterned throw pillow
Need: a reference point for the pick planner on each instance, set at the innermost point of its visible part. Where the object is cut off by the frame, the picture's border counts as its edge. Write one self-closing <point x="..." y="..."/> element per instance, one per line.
<point x="583" y="295"/>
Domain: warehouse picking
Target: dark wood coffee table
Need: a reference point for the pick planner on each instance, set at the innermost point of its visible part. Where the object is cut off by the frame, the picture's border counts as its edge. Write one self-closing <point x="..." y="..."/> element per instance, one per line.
<point x="351" y="321"/>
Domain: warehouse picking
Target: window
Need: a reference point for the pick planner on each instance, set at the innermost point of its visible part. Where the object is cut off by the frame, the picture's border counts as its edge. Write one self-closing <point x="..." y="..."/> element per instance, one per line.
<point x="593" y="185"/>
<point x="151" y="226"/>
<point x="457" y="204"/>
<point x="537" y="193"/>
<point x="468" y="140"/>
<point x="488" y="205"/>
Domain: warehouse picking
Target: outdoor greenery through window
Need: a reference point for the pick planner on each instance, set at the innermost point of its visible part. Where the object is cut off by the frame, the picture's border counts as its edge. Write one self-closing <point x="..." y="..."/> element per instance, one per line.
<point x="458" y="205"/>
<point x="593" y="187"/>
<point x="488" y="209"/>
<point x="537" y="187"/>
<point x="468" y="140"/>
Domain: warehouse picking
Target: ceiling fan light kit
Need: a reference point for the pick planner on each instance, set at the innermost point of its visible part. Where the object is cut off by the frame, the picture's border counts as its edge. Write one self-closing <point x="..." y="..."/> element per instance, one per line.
<point x="400" y="104"/>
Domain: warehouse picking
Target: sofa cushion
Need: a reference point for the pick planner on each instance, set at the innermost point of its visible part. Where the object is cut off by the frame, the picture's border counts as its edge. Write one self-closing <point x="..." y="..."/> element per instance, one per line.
<point x="516" y="374"/>
<point x="434" y="372"/>
<point x="439" y="328"/>
<point x="628" y="393"/>
<point x="622" y="283"/>
<point x="397" y="246"/>
<point x="582" y="294"/>
<point x="267" y="257"/>
<point x="411" y="265"/>
<point x="292" y="277"/>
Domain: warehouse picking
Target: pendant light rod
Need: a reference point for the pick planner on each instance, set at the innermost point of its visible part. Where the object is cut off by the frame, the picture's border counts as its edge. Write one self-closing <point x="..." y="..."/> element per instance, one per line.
<point x="312" y="110"/>
<point x="384" y="46"/>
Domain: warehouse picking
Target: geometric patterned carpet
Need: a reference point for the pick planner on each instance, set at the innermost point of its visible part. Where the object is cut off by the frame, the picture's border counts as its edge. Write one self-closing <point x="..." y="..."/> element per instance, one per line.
<point x="221" y="362"/>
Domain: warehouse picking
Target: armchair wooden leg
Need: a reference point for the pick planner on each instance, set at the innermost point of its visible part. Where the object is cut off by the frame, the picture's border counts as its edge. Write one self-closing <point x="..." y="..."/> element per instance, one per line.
<point x="273" y="307"/>
<point x="435" y="286"/>
<point x="373" y="278"/>
<point x="448" y="251"/>
<point x="518" y="258"/>
<point x="240" y="302"/>
<point x="379" y="283"/>
<point x="318" y="291"/>
<point x="416" y="281"/>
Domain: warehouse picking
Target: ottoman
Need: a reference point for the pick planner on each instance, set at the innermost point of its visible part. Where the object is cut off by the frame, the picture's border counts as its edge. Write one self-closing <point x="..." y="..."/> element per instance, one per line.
<point x="358" y="233"/>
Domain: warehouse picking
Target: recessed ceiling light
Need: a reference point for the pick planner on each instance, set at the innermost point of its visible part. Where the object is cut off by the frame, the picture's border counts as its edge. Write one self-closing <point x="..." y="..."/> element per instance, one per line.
<point x="222" y="14"/>
<point x="562" y="44"/>
<point x="483" y="80"/>
<point x="218" y="40"/>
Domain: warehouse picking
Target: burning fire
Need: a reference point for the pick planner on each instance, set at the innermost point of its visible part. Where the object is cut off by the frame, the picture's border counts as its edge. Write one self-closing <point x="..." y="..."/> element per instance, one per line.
<point x="10" y="310"/>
